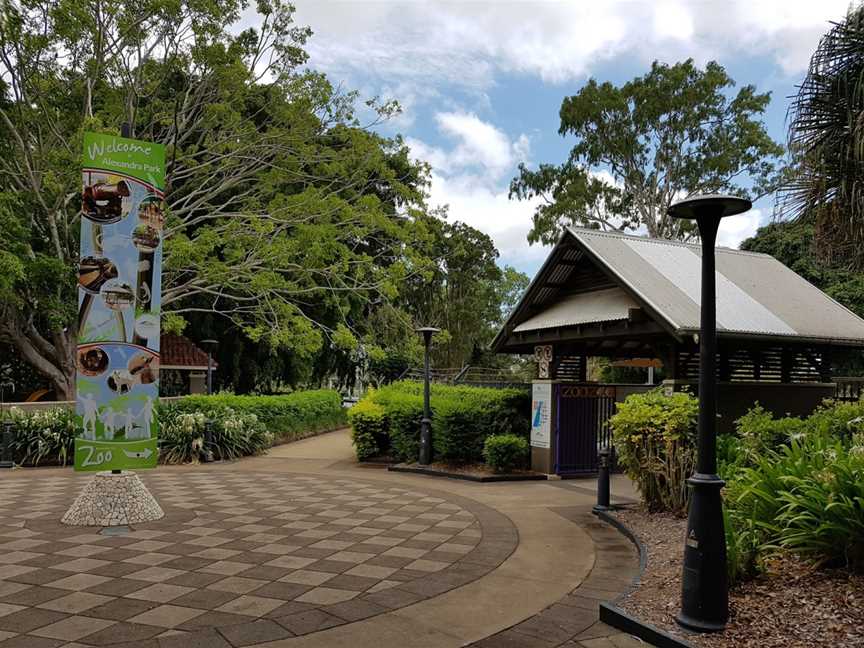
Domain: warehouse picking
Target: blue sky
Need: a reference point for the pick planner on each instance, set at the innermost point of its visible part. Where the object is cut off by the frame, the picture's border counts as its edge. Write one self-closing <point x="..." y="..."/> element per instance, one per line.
<point x="481" y="82"/>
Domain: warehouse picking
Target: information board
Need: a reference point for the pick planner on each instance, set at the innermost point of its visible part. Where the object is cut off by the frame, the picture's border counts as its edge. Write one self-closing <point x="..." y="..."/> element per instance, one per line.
<point x="119" y="297"/>
<point x="541" y="413"/>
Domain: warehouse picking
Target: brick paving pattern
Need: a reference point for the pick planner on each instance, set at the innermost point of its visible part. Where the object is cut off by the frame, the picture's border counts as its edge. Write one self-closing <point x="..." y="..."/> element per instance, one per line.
<point x="574" y="621"/>
<point x="239" y="559"/>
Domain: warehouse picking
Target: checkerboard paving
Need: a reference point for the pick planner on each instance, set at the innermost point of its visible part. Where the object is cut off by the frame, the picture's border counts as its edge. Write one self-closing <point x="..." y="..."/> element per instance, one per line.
<point x="246" y="557"/>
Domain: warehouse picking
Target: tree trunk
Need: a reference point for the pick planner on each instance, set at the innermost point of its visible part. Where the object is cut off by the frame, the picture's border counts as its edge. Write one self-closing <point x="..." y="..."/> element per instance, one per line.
<point x="56" y="363"/>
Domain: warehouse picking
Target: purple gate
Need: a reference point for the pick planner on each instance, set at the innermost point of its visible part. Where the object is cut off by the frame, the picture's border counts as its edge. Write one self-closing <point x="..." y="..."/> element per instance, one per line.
<point x="583" y="413"/>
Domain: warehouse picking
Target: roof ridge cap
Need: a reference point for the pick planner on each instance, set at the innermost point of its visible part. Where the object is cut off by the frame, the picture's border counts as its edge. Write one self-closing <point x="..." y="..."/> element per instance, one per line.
<point x="576" y="231"/>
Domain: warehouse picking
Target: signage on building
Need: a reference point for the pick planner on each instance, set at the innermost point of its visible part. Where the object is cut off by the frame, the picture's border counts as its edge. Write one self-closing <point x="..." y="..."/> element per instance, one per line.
<point x="541" y="414"/>
<point x="543" y="356"/>
<point x="119" y="298"/>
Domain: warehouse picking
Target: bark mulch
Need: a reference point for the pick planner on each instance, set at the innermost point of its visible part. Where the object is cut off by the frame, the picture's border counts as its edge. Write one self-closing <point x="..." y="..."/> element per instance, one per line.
<point x="791" y="605"/>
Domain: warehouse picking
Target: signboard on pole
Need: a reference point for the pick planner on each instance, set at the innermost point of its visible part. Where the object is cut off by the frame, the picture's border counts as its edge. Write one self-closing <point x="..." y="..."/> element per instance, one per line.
<point x="119" y="297"/>
<point x="541" y="414"/>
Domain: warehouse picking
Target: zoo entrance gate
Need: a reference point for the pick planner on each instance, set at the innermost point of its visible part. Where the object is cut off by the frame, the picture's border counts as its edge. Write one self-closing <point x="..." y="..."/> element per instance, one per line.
<point x="582" y="429"/>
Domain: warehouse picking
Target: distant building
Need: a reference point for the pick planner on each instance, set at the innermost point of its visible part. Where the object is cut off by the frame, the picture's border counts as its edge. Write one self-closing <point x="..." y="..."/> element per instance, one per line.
<point x="183" y="367"/>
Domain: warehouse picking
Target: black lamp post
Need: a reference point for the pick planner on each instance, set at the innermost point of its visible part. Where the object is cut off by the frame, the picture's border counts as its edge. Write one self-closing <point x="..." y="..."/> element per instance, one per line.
<point x="426" y="421"/>
<point x="210" y="345"/>
<point x="207" y="449"/>
<point x="704" y="595"/>
<point x="8" y="428"/>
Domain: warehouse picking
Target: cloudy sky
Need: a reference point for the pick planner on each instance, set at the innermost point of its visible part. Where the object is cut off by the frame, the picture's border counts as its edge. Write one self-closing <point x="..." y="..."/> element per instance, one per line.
<point x="481" y="83"/>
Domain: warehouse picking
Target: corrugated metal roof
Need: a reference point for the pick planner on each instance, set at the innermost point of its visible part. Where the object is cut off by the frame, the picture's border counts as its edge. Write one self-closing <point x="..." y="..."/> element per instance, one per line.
<point x="582" y="308"/>
<point x="756" y="294"/>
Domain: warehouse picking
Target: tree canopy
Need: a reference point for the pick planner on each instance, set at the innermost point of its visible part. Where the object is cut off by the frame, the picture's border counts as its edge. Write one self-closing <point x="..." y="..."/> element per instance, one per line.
<point x="289" y="222"/>
<point x="826" y="139"/>
<point x="676" y="131"/>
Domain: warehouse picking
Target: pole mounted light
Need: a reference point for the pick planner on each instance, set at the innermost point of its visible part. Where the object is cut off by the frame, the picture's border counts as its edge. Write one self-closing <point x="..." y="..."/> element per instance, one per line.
<point x="210" y="346"/>
<point x="426" y="421"/>
<point x="704" y="585"/>
<point x="207" y="450"/>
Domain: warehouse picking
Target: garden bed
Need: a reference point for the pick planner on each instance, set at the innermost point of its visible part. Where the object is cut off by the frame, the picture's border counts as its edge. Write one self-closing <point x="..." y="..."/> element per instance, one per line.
<point x="790" y="605"/>
<point x="471" y="472"/>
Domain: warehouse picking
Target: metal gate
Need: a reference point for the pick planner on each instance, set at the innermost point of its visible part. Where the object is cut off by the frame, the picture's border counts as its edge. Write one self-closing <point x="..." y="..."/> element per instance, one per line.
<point x="583" y="411"/>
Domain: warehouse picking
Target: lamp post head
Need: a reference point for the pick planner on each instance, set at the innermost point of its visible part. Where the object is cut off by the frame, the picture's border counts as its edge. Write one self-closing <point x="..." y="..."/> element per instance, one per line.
<point x="427" y="331"/>
<point x="210" y="345"/>
<point x="712" y="205"/>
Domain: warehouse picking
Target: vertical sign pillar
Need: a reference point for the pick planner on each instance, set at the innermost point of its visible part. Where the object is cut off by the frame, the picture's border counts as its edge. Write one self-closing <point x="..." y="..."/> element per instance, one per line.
<point x="119" y="297"/>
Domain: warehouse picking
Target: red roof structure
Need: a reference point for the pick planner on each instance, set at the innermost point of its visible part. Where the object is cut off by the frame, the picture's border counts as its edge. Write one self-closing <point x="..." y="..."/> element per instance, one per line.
<point x="179" y="352"/>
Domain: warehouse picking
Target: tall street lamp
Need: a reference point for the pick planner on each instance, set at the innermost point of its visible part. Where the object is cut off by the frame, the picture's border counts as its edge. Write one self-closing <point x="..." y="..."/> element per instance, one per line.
<point x="704" y="595"/>
<point x="210" y="346"/>
<point x="426" y="421"/>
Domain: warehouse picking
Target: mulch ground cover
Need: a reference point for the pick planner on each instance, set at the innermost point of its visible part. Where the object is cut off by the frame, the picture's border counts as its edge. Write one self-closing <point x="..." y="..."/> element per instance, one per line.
<point x="791" y="605"/>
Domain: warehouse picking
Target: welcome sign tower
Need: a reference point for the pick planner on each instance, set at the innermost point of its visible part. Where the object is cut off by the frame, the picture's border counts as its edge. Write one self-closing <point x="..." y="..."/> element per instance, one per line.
<point x="119" y="296"/>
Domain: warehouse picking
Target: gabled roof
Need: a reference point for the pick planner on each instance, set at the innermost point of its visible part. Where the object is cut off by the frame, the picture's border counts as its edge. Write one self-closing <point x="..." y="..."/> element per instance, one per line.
<point x="757" y="296"/>
<point x="179" y="352"/>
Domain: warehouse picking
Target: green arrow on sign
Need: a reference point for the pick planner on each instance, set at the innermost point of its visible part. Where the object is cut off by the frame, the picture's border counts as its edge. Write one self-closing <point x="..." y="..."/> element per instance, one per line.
<point x="115" y="455"/>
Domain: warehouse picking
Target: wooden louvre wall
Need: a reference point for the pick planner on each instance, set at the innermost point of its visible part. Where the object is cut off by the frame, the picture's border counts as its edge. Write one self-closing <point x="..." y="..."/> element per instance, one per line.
<point x="569" y="369"/>
<point x="769" y="364"/>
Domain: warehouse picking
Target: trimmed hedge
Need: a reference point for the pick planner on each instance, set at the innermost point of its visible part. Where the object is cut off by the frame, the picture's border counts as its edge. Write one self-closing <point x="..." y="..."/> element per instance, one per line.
<point x="243" y="425"/>
<point x="504" y="452"/>
<point x="462" y="418"/>
<point x="288" y="418"/>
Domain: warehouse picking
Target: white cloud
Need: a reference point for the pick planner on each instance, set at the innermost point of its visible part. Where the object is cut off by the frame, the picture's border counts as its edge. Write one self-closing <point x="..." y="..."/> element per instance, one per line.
<point x="468" y="43"/>
<point x="478" y="147"/>
<point x="735" y="229"/>
<point x="488" y="209"/>
<point x="470" y="178"/>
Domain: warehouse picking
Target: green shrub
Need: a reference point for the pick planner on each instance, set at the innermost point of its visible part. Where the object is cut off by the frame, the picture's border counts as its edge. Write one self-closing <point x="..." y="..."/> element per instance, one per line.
<point x="235" y="435"/>
<point x="837" y="420"/>
<point x="760" y="432"/>
<point x="404" y="412"/>
<point x="742" y="547"/>
<point x="243" y="425"/>
<point x="504" y="452"/>
<point x="43" y="436"/>
<point x="654" y="437"/>
<point x="368" y="429"/>
<point x="287" y="417"/>
<point x="462" y="418"/>
<point x="807" y="497"/>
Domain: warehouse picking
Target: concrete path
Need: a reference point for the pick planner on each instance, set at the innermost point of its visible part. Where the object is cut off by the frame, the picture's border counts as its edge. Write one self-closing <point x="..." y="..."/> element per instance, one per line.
<point x="553" y="558"/>
<point x="522" y="564"/>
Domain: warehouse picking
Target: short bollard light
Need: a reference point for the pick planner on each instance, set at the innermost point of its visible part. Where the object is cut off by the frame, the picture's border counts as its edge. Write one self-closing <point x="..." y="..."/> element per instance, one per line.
<point x="8" y="436"/>
<point x="603" y="481"/>
<point x="207" y="449"/>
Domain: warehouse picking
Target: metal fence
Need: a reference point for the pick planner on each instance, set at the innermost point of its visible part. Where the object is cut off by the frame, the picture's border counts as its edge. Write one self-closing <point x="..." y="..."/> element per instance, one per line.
<point x="848" y="389"/>
<point x="468" y="375"/>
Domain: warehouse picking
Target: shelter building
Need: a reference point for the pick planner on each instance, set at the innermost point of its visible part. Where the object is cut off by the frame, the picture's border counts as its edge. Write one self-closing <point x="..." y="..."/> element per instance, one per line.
<point x="619" y="296"/>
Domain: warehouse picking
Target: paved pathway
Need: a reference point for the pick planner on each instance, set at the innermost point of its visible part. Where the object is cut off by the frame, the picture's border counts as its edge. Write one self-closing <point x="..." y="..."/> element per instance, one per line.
<point x="303" y="547"/>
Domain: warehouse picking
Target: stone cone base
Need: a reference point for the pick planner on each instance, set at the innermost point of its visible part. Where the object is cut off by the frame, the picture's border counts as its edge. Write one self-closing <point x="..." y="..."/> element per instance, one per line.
<point x="113" y="500"/>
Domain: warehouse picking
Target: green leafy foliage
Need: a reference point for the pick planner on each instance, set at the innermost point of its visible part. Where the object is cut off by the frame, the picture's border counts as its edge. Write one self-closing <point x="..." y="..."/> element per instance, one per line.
<point x="806" y="497"/>
<point x="504" y="452"/>
<point x="242" y="426"/>
<point x="235" y="434"/>
<point x="368" y="429"/>
<point x="759" y="431"/>
<point x="654" y="438"/>
<point x="287" y="417"/>
<point x="826" y="139"/>
<point x="43" y="436"/>
<point x="677" y="130"/>
<point x="462" y="418"/>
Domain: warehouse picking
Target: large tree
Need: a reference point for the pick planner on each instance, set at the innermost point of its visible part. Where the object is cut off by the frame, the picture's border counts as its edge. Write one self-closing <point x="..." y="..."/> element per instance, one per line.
<point x="826" y="138"/>
<point x="284" y="214"/>
<point x="676" y="131"/>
